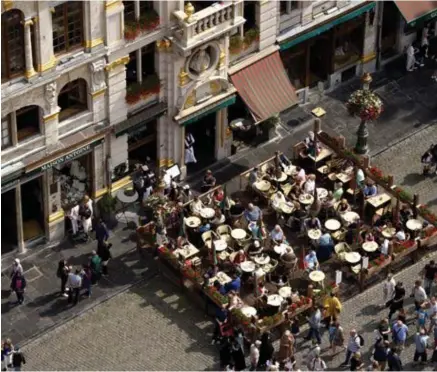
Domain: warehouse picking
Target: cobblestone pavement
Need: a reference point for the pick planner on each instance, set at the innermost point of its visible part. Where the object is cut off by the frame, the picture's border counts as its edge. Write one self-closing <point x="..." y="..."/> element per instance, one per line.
<point x="154" y="327"/>
<point x="403" y="162"/>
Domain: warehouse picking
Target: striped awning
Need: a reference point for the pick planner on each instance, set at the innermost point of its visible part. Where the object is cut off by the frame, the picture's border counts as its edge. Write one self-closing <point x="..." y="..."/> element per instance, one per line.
<point x="265" y="88"/>
<point x="414" y="11"/>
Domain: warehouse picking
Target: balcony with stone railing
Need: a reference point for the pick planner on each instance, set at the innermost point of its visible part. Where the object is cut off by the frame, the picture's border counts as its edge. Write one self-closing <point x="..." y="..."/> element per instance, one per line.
<point x="199" y="27"/>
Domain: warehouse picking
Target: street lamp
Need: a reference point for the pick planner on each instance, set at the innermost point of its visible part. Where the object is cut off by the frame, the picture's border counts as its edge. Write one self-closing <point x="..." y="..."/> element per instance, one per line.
<point x="367" y="106"/>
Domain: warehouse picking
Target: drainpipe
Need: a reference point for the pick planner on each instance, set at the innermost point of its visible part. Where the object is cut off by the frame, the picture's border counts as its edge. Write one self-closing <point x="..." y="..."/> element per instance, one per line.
<point x="380" y="9"/>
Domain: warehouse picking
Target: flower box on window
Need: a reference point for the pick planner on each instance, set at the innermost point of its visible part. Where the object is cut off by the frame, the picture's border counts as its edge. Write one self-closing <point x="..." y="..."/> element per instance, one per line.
<point x="149" y="86"/>
<point x="149" y="21"/>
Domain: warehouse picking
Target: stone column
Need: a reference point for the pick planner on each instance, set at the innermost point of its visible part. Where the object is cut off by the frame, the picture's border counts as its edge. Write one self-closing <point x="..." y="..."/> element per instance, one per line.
<point x="223" y="144"/>
<point x="44" y="34"/>
<point x="51" y="124"/>
<point x="98" y="90"/>
<point x="139" y="66"/>
<point x="30" y="71"/>
<point x="19" y="215"/>
<point x="14" y="138"/>
<point x="93" y="25"/>
<point x="369" y="44"/>
<point x="116" y="80"/>
<point x="182" y="151"/>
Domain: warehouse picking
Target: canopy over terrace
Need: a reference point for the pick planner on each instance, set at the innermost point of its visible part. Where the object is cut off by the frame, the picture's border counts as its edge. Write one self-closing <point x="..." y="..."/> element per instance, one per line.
<point x="265" y="87"/>
<point x="417" y="11"/>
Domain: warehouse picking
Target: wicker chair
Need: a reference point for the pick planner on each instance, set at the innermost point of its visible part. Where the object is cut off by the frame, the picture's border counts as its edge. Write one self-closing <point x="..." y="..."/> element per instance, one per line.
<point x="224" y="232"/>
<point x="207" y="237"/>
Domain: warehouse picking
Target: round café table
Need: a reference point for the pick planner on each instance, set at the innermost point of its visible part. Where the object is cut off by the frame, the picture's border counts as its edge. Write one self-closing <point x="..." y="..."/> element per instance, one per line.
<point x="322" y="193"/>
<point x="262" y="260"/>
<point x="220" y="245"/>
<point x="370" y="246"/>
<point x="388" y="232"/>
<point x="350" y="217"/>
<point x="314" y="234"/>
<point x="274" y="300"/>
<point x="282" y="178"/>
<point x="126" y="199"/>
<point x="281" y="248"/>
<point x="238" y="234"/>
<point x="248" y="266"/>
<point x="414" y="225"/>
<point x="352" y="257"/>
<point x="285" y="292"/>
<point x="248" y="311"/>
<point x="333" y="224"/>
<point x="317" y="276"/>
<point x="193" y="222"/>
<point x="290" y="170"/>
<point x="263" y="185"/>
<point x="306" y="199"/>
<point x="207" y="213"/>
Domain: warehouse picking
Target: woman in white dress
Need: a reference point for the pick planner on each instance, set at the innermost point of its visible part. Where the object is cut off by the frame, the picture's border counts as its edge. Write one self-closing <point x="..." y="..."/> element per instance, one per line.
<point x="189" y="150"/>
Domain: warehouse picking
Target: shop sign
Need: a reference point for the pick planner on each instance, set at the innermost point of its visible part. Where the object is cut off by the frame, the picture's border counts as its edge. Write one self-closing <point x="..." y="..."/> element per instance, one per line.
<point x="68" y="157"/>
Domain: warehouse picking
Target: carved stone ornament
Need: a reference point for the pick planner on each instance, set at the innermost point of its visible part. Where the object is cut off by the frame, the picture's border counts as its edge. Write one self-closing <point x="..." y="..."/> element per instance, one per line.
<point x="50" y="95"/>
<point x="200" y="62"/>
<point x="97" y="75"/>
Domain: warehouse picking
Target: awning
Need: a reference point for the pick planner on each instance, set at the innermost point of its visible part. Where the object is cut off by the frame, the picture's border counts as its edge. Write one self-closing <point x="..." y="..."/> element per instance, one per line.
<point x="414" y="11"/>
<point x="265" y="88"/>
<point x="327" y="26"/>
<point x="215" y="104"/>
<point x="134" y="122"/>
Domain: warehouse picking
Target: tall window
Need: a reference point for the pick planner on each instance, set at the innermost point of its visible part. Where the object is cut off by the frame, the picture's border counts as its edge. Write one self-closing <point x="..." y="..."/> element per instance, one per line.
<point x="6" y="132"/>
<point x="129" y="11"/>
<point x="13" y="62"/>
<point x="67" y="26"/>
<point x="72" y="99"/>
<point x="28" y="119"/>
<point x="288" y="6"/>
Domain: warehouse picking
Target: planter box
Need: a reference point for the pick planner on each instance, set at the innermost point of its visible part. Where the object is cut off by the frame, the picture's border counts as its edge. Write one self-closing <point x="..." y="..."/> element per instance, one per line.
<point x="376" y="269"/>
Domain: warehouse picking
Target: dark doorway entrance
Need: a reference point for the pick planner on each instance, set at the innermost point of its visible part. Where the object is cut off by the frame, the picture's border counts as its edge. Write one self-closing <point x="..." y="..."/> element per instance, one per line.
<point x="9" y="222"/>
<point x="320" y="59"/>
<point x="390" y="24"/>
<point x="203" y="132"/>
<point x="32" y="209"/>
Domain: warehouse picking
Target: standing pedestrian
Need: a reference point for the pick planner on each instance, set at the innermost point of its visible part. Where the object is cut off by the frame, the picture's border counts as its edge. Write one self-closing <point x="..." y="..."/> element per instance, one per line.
<point x="74" y="283"/>
<point x="238" y="355"/>
<point x="399" y="334"/>
<point x="421" y="341"/>
<point x="317" y="364"/>
<point x="254" y="354"/>
<point x="332" y="307"/>
<point x="389" y="290"/>
<point x="266" y="350"/>
<point x="315" y="322"/>
<point x="393" y="360"/>
<point x="18" y="285"/>
<point x="380" y="352"/>
<point x="353" y="346"/>
<point x="105" y="255"/>
<point x="16" y="268"/>
<point x="384" y="329"/>
<point x="432" y="314"/>
<point x="429" y="275"/>
<point x="18" y="359"/>
<point x="336" y="336"/>
<point x="356" y="362"/>
<point x="86" y="276"/>
<point x="398" y="299"/>
<point x="62" y="273"/>
<point x="419" y="294"/>
<point x="8" y="349"/>
<point x="96" y="267"/>
<point x="421" y="318"/>
<point x="286" y="347"/>
<point x="225" y="352"/>
<point x="102" y="233"/>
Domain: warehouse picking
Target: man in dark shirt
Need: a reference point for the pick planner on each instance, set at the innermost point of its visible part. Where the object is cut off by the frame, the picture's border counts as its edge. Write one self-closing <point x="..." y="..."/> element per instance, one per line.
<point x="429" y="276"/>
<point x="394" y="361"/>
<point x="221" y="317"/>
<point x="17" y="359"/>
<point x="208" y="181"/>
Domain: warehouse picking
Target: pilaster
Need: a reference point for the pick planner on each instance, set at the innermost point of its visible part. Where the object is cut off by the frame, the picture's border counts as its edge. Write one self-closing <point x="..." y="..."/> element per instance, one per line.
<point x="51" y="132"/>
<point x="222" y="142"/>
<point x="116" y="79"/>
<point x="30" y="71"/>
<point x="267" y="24"/>
<point x="44" y="33"/>
<point x="368" y="58"/>
<point x="19" y="216"/>
<point x="93" y="27"/>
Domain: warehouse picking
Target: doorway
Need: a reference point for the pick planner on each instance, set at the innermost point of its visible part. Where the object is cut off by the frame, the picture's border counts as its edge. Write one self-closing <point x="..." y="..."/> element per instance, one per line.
<point x="389" y="32"/>
<point x="320" y="59"/>
<point x="203" y="132"/>
<point x="9" y="222"/>
<point x="32" y="209"/>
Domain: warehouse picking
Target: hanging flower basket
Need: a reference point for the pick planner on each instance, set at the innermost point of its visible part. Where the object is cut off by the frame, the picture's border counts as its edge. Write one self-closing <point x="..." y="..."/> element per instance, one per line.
<point x="365" y="104"/>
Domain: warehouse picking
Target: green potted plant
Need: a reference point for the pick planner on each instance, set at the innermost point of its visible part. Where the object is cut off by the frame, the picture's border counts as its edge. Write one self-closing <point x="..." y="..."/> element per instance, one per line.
<point x="106" y="207"/>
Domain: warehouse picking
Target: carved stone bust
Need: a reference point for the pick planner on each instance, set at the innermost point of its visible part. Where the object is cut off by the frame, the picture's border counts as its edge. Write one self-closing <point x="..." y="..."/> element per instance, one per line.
<point x="200" y="62"/>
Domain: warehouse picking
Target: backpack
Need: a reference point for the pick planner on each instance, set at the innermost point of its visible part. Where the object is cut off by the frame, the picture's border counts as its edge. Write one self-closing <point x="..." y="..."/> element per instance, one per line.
<point x="361" y="340"/>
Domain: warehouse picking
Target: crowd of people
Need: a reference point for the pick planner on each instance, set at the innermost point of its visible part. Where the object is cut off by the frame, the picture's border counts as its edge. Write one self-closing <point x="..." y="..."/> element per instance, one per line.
<point x="238" y="353"/>
<point x="12" y="356"/>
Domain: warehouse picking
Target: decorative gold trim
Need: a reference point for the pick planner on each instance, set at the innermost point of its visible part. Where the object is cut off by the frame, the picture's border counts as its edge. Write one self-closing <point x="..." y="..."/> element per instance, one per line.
<point x="98" y="93"/>
<point x="162" y="163"/>
<point x="163" y="45"/>
<point x="222" y="58"/>
<point x="56" y="216"/>
<point x="29" y="73"/>
<point x="191" y="100"/>
<point x="35" y="19"/>
<point x="50" y="117"/>
<point x="28" y="22"/>
<point x="183" y="77"/>
<point x="368" y="58"/>
<point x="48" y="65"/>
<point x="112" y="4"/>
<point x="7" y="5"/>
<point x="93" y="43"/>
<point x="121" y="61"/>
<point x="170" y="162"/>
<point x="100" y="192"/>
<point x="52" y="10"/>
<point x="215" y="87"/>
<point x="189" y="11"/>
<point x="126" y="181"/>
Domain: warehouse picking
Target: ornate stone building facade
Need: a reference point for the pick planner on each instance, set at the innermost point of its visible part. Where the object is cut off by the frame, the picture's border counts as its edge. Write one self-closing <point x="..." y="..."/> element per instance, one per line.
<point x="89" y="89"/>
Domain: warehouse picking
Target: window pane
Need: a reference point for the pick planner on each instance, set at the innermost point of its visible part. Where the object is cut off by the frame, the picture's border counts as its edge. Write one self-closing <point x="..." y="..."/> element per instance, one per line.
<point x="67" y="26"/>
<point x="129" y="10"/>
<point x="13" y="43"/>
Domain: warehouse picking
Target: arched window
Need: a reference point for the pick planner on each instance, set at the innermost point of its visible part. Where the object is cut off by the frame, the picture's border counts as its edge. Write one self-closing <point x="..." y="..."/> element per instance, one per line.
<point x="13" y="60"/>
<point x="72" y="99"/>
